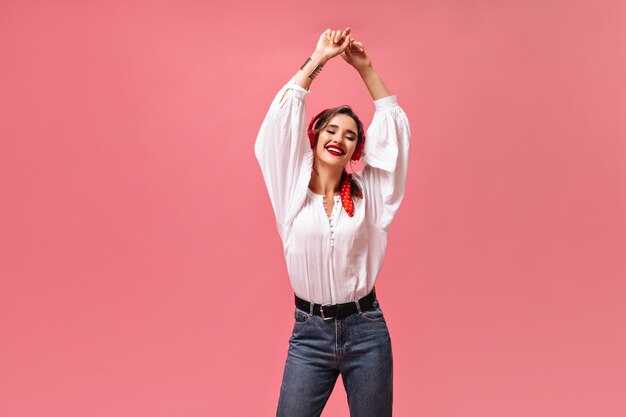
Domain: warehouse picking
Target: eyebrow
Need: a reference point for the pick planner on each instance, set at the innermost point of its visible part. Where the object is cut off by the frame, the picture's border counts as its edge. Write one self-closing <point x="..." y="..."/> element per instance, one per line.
<point x="348" y="130"/>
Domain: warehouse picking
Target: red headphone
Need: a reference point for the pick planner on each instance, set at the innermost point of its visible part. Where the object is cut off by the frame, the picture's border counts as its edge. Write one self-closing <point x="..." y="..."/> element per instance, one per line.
<point x="358" y="152"/>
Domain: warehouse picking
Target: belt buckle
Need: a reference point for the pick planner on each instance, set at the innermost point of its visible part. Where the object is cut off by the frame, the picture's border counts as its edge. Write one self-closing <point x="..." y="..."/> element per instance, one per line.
<point x="322" y="312"/>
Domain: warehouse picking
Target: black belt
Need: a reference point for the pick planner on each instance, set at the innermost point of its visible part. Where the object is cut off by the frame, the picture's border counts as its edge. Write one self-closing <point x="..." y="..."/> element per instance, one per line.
<point x="339" y="311"/>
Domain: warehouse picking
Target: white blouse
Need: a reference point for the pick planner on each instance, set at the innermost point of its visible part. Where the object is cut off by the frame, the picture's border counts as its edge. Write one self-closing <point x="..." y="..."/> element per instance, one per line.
<point x="332" y="259"/>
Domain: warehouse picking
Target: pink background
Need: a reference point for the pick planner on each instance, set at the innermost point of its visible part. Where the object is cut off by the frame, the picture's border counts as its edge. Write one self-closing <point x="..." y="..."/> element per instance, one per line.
<point x="141" y="270"/>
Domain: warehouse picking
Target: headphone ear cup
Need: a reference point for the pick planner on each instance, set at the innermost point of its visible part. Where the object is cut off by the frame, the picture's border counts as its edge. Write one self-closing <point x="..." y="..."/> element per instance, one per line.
<point x="311" y="134"/>
<point x="311" y="130"/>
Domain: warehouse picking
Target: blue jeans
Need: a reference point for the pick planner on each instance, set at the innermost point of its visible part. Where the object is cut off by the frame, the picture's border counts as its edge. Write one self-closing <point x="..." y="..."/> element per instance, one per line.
<point x="358" y="347"/>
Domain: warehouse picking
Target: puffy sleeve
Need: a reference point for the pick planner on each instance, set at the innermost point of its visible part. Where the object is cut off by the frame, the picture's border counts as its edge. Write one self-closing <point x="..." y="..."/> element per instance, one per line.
<point x="284" y="153"/>
<point x="386" y="157"/>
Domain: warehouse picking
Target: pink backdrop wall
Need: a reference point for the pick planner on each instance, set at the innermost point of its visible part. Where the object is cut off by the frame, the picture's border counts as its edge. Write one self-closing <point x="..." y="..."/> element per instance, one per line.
<point x="141" y="273"/>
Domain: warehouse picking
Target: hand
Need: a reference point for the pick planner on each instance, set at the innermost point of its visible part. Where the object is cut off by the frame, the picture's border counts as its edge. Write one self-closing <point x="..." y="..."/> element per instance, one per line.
<point x="355" y="55"/>
<point x="333" y="43"/>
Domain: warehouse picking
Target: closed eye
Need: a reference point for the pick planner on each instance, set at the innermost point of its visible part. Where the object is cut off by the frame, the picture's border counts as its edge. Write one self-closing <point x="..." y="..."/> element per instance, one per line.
<point x="350" y="132"/>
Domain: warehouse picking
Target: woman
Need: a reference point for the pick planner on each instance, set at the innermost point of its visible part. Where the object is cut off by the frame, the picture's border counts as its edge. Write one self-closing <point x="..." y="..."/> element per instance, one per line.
<point x="334" y="231"/>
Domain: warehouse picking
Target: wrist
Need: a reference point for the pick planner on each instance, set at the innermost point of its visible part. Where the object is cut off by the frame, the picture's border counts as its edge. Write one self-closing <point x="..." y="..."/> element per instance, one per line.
<point x="313" y="65"/>
<point x="319" y="58"/>
<point x="310" y="69"/>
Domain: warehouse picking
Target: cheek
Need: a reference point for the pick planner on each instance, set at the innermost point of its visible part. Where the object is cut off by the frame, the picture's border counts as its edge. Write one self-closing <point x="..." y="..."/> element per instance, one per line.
<point x="319" y="149"/>
<point x="351" y="147"/>
<point x="321" y="139"/>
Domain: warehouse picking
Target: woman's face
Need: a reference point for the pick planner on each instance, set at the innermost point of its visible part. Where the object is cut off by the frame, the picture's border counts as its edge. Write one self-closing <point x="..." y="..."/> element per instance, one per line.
<point x="337" y="141"/>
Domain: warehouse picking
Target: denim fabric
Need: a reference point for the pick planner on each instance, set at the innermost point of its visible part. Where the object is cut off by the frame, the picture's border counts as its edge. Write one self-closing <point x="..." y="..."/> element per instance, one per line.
<point x="358" y="347"/>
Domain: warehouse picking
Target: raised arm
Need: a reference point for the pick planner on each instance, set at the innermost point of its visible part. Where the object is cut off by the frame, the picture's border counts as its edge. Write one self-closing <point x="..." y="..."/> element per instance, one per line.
<point x="386" y="145"/>
<point x="282" y="147"/>
<point x="356" y="56"/>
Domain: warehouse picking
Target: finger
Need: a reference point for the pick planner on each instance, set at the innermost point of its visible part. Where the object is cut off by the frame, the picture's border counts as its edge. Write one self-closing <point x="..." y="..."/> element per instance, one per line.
<point x="345" y="41"/>
<point x="343" y="46"/>
<point x="358" y="46"/>
<point x="338" y="37"/>
<point x="325" y="34"/>
<point x="343" y="35"/>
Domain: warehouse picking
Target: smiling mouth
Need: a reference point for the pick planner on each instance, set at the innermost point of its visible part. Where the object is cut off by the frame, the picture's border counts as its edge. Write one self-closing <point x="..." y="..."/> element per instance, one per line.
<point x="335" y="150"/>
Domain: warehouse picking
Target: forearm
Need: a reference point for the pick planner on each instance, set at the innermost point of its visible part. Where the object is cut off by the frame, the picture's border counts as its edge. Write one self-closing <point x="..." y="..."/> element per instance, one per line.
<point x="374" y="83"/>
<point x="307" y="73"/>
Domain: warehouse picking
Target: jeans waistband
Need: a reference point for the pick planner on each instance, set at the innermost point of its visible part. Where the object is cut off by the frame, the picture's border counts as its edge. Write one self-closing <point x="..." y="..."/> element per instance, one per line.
<point x="339" y="311"/>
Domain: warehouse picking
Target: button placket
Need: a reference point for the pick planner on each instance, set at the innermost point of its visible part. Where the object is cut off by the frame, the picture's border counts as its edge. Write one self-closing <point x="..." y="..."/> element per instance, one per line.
<point x="331" y="220"/>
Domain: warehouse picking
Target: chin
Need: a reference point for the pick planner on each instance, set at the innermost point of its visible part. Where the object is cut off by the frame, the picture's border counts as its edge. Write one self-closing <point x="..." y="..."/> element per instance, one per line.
<point x="333" y="162"/>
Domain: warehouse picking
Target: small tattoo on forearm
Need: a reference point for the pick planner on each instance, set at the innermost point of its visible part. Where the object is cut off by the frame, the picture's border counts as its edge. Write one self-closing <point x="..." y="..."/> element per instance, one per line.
<point x="315" y="72"/>
<point x="305" y="62"/>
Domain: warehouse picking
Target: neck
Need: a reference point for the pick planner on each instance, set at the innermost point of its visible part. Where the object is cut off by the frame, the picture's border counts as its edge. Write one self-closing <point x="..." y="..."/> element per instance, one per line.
<point x="325" y="180"/>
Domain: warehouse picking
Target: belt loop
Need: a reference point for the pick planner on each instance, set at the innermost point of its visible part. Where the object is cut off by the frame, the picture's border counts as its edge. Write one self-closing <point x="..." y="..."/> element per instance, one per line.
<point x="358" y="306"/>
<point x="311" y="305"/>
